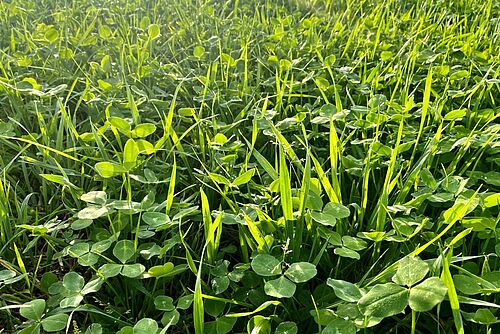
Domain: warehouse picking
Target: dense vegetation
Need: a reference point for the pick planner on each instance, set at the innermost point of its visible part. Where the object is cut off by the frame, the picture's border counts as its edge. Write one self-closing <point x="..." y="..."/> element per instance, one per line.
<point x="249" y="166"/>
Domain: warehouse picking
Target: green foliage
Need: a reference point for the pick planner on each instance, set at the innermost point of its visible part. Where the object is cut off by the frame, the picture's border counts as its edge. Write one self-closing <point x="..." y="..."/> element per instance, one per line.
<point x="249" y="166"/>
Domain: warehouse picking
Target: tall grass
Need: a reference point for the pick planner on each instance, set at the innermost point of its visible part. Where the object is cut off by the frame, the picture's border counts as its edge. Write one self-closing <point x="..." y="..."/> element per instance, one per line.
<point x="259" y="166"/>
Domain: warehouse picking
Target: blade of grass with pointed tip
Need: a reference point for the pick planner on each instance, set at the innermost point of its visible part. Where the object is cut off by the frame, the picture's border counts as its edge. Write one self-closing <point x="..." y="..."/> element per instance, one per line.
<point x="332" y="196"/>
<point x="425" y="108"/>
<point x="22" y="267"/>
<point x="171" y="187"/>
<point x="452" y="293"/>
<point x="285" y="187"/>
<point x="207" y="224"/>
<point x="198" y="307"/>
<point x="334" y="158"/>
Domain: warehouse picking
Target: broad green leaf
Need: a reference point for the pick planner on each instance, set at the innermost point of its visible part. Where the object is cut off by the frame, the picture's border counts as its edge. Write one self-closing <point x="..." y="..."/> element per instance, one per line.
<point x="482" y="316"/>
<point x="51" y="35"/>
<point x="130" y="154"/>
<point x="280" y="288"/>
<point x="492" y="178"/>
<point x="313" y="201"/>
<point x="428" y="178"/>
<point x="143" y="130"/>
<point x="110" y="269"/>
<point x="287" y="327"/>
<point x="109" y="169"/>
<point x="259" y="325"/>
<point x="384" y="300"/>
<point x="493" y="278"/>
<point x="459" y="74"/>
<point x="164" y="303"/>
<point x="214" y="308"/>
<point x="224" y="325"/>
<point x="124" y="250"/>
<point x="217" y="178"/>
<point x="145" y="326"/>
<point x="145" y="147"/>
<point x="92" y="212"/>
<point x="479" y="223"/>
<point x="346" y="252"/>
<point x="80" y="224"/>
<point x="336" y="210"/>
<point x="7" y="274"/>
<point x="132" y="270"/>
<point x="467" y="285"/>
<point x="492" y="200"/>
<point x="33" y="309"/>
<point x="55" y="323"/>
<point x="427" y="294"/>
<point x="330" y="213"/>
<point x="126" y="330"/>
<point x="156" y="219"/>
<point x="323" y="219"/>
<point x="266" y="265"/>
<point x="104" y="85"/>
<point x="102" y="246"/>
<point x="354" y="243"/>
<point x="340" y="326"/>
<point x="455" y="114"/>
<point x="185" y="302"/>
<point x="300" y="272"/>
<point x="153" y="31"/>
<point x="323" y="316"/>
<point x="410" y="271"/>
<point x="348" y="310"/>
<point x="92" y="286"/>
<point x="386" y="55"/>
<point x="345" y="290"/>
<point x="94" y="329"/>
<point x="198" y="51"/>
<point x="381" y="149"/>
<point x="170" y="318"/>
<point x="243" y="178"/>
<point x="33" y="329"/>
<point x="88" y="259"/>
<point x="104" y="31"/>
<point x="79" y="249"/>
<point x="73" y="282"/>
<point x="121" y="125"/>
<point x="220" y="284"/>
<point x="219" y="139"/>
<point x="161" y="270"/>
<point x="71" y="301"/>
<point x="441" y="198"/>
<point x="128" y="206"/>
<point x="95" y="197"/>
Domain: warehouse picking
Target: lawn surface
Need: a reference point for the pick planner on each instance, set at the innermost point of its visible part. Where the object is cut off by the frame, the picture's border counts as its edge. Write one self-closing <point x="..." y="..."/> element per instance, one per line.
<point x="253" y="166"/>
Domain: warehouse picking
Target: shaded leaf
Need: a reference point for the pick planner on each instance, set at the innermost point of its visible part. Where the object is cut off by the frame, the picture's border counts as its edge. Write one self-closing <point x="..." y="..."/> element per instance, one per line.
<point x="266" y="265"/>
<point x="300" y="272"/>
<point x="384" y="300"/>
<point x="427" y="294"/>
<point x="410" y="271"/>
<point x="345" y="290"/>
<point x="280" y="288"/>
